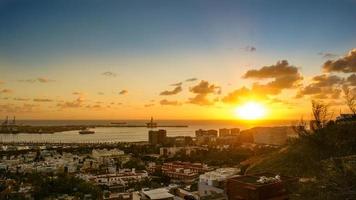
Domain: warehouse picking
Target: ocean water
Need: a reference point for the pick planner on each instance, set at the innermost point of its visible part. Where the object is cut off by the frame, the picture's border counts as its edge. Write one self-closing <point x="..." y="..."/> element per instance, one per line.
<point x="126" y="134"/>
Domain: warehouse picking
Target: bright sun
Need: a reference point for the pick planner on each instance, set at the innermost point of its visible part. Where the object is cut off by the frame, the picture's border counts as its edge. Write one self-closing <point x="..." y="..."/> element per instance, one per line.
<point x="250" y="111"/>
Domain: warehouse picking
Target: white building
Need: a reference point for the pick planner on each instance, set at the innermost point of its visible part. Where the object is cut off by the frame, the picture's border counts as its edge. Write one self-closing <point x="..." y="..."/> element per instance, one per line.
<point x="213" y="182"/>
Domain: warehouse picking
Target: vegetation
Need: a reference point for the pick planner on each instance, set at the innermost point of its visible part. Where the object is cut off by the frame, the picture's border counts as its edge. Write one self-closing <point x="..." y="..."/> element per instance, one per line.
<point x="52" y="186"/>
<point x="324" y="155"/>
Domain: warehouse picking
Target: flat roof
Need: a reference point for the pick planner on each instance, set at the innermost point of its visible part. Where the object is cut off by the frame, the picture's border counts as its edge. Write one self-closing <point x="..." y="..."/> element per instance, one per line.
<point x="160" y="193"/>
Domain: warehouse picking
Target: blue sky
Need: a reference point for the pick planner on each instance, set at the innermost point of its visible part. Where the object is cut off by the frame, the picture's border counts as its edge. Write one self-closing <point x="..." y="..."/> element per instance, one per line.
<point x="38" y="29"/>
<point x="150" y="44"/>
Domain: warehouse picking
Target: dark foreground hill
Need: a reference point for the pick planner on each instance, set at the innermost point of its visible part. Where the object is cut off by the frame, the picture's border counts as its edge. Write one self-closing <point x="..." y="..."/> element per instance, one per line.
<point x="325" y="162"/>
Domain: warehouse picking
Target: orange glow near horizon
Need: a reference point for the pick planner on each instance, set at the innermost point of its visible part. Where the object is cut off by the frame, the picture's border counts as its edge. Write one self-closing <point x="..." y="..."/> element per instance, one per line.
<point x="251" y="111"/>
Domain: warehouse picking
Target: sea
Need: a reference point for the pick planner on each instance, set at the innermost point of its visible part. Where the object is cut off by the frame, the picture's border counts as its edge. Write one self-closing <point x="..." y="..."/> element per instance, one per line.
<point x="128" y="134"/>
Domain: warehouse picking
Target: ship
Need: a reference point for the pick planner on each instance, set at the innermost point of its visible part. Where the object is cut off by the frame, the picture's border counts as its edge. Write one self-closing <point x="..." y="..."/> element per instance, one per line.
<point x="9" y="127"/>
<point x="151" y="124"/>
<point x="86" y="131"/>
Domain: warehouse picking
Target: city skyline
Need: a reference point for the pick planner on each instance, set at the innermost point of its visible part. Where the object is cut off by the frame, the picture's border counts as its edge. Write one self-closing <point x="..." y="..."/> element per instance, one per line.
<point x="174" y="59"/>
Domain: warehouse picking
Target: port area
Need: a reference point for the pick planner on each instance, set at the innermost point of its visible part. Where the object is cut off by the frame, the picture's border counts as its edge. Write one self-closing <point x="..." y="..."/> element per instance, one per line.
<point x="56" y="129"/>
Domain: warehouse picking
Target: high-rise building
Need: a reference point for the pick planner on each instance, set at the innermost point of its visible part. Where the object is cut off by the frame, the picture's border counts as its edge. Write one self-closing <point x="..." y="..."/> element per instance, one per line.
<point x="224" y="132"/>
<point x="157" y="137"/>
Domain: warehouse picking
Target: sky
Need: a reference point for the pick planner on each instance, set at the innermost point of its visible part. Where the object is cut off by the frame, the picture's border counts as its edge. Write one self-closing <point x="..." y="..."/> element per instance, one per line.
<point x="196" y="59"/>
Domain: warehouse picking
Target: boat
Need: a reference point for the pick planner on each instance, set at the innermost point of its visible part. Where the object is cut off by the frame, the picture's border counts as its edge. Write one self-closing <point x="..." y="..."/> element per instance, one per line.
<point x="86" y="131"/>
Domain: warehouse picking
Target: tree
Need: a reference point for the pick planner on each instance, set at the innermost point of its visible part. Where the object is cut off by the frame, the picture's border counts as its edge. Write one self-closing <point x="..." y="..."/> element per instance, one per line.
<point x="321" y="115"/>
<point x="350" y="99"/>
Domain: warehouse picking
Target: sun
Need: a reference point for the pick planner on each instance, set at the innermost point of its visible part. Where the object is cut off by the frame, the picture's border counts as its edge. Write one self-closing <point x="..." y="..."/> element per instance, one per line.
<point x="250" y="111"/>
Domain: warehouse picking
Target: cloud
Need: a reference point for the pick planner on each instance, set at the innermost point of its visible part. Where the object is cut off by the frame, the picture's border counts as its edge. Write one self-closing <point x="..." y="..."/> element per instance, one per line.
<point x="280" y="69"/>
<point x="204" y="87"/>
<point x="351" y="80"/>
<point x="5" y="91"/>
<point x="176" y="90"/>
<point x="123" y="92"/>
<point x="109" y="74"/>
<point x="191" y="80"/>
<point x="166" y="102"/>
<point x="177" y="84"/>
<point x="323" y="87"/>
<point x="78" y="93"/>
<point x="346" y="64"/>
<point x="1" y="82"/>
<point x="21" y="99"/>
<point x="285" y="77"/>
<point x="42" y="100"/>
<point x="12" y="108"/>
<point x="149" y="105"/>
<point x="236" y="95"/>
<point x="44" y="80"/>
<point x="202" y="91"/>
<point x="100" y="93"/>
<point x="77" y="103"/>
<point x="95" y="106"/>
<point x="40" y="80"/>
<point x="327" y="55"/>
<point x="250" y="48"/>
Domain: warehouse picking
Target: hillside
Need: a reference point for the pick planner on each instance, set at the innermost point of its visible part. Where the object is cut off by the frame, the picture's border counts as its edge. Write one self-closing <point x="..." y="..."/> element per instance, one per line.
<point x="324" y="160"/>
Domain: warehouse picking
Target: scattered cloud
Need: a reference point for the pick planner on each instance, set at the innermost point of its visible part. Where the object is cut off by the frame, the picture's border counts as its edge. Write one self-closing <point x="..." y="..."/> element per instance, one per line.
<point x="250" y="48"/>
<point x="78" y="93"/>
<point x="1" y="82"/>
<point x="202" y="91"/>
<point x="13" y="108"/>
<point x="44" y="80"/>
<point x="176" y="90"/>
<point x="327" y="55"/>
<point x="42" y="100"/>
<point x="346" y="64"/>
<point x="351" y="80"/>
<point x="149" y="105"/>
<point x="285" y="77"/>
<point x="177" y="84"/>
<point x="100" y="93"/>
<point x="236" y="95"/>
<point x="21" y="99"/>
<point x="166" y="102"/>
<point x="123" y="92"/>
<point x="40" y="80"/>
<point x="95" y="106"/>
<point x="5" y="91"/>
<point x="191" y="80"/>
<point x="77" y="103"/>
<point x="109" y="74"/>
<point x="323" y="87"/>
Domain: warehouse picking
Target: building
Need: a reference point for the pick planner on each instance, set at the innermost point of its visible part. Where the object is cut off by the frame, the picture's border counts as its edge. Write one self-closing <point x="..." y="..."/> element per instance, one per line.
<point x="172" y="151"/>
<point x="211" y="183"/>
<point x="225" y="132"/>
<point x="105" y="156"/>
<point x="261" y="186"/>
<point x="345" y="118"/>
<point x="211" y="132"/>
<point x="235" y="131"/>
<point x="270" y="135"/>
<point x="205" y="136"/>
<point x="179" y="141"/>
<point x="157" y="137"/>
<point x="183" y="171"/>
<point x="117" y="181"/>
<point x="155" y="194"/>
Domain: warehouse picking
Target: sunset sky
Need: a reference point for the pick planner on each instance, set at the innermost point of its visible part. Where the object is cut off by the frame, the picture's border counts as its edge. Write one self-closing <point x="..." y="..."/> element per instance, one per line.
<point x="197" y="59"/>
